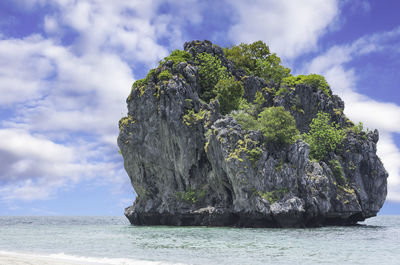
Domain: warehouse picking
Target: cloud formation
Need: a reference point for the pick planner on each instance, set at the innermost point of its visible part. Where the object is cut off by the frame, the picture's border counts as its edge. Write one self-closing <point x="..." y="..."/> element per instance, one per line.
<point x="66" y="100"/>
<point x="289" y="27"/>
<point x="23" y="156"/>
<point x="65" y="87"/>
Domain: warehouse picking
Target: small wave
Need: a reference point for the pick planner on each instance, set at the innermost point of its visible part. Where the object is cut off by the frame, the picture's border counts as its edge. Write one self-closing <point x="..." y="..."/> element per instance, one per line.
<point x="61" y="258"/>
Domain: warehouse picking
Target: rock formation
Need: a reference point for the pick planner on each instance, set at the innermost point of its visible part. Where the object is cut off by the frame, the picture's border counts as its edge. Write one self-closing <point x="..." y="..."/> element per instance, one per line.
<point x="189" y="164"/>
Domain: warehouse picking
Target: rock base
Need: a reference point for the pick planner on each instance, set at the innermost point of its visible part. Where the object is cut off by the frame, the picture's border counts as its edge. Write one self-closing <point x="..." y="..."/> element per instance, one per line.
<point x="220" y="218"/>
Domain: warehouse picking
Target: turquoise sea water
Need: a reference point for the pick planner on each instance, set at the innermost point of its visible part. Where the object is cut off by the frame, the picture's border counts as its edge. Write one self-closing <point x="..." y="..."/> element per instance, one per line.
<point x="376" y="241"/>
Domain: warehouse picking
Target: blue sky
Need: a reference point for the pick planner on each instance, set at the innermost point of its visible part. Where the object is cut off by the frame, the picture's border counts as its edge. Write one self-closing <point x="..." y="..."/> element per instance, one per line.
<point x="67" y="67"/>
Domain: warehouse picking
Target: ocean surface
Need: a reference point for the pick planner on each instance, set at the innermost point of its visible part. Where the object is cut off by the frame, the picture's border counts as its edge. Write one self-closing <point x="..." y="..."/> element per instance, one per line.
<point x="112" y="240"/>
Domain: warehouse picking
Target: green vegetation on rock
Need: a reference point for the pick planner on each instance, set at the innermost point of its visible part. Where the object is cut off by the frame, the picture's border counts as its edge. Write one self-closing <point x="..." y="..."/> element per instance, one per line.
<point x="191" y="117"/>
<point x="278" y="125"/>
<point x="256" y="59"/>
<point x="210" y="72"/>
<point x="216" y="82"/>
<point x="177" y="56"/>
<point x="144" y="81"/>
<point x="324" y="136"/>
<point x="190" y="196"/>
<point x="359" y="130"/>
<point x="248" y="148"/>
<point x="165" y="75"/>
<point x="247" y="121"/>
<point x="125" y="121"/>
<point x="312" y="80"/>
<point x="273" y="196"/>
<point x="229" y="94"/>
<point x="259" y="101"/>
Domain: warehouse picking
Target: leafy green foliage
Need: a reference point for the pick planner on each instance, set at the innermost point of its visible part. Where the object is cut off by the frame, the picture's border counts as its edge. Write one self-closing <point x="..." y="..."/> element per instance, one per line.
<point x="312" y="80"/>
<point x="229" y="94"/>
<point x="323" y="136"/>
<point x="282" y="90"/>
<point x="278" y="125"/>
<point x="256" y="59"/>
<point x="165" y="75"/>
<point x="125" y="121"/>
<point x="270" y="90"/>
<point x="254" y="154"/>
<point x="191" y="117"/>
<point x="139" y="83"/>
<point x="247" y="147"/>
<point x="177" y="56"/>
<point x="142" y="83"/>
<point x="246" y="106"/>
<point x="259" y="99"/>
<point x="247" y="121"/>
<point x="273" y="196"/>
<point x="359" y="128"/>
<point x="210" y="72"/>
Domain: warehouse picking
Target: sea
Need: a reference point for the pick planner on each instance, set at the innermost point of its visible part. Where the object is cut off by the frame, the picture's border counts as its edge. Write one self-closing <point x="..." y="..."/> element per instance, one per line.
<point x="112" y="240"/>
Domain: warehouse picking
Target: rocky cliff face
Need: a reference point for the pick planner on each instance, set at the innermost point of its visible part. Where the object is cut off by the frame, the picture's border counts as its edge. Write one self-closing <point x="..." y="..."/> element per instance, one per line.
<point x="191" y="165"/>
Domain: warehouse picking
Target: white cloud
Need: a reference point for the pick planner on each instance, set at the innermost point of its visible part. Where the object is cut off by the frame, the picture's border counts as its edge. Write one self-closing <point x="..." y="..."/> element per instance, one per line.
<point x="19" y="143"/>
<point x="87" y="94"/>
<point x="123" y="26"/>
<point x="86" y="98"/>
<point x="34" y="167"/>
<point x="289" y="27"/>
<point x="66" y="100"/>
<point x="50" y="25"/>
<point x="384" y="116"/>
<point x="25" y="73"/>
<point x="67" y="95"/>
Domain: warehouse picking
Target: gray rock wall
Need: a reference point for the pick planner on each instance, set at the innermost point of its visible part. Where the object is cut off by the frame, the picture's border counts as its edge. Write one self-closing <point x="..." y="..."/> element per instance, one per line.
<point x="202" y="171"/>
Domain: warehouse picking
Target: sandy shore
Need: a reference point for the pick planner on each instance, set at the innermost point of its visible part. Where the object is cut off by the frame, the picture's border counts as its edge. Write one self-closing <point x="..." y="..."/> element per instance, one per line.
<point x="10" y="258"/>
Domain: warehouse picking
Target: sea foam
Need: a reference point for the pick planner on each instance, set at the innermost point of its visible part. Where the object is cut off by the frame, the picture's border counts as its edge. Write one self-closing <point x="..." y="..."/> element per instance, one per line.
<point x="7" y="257"/>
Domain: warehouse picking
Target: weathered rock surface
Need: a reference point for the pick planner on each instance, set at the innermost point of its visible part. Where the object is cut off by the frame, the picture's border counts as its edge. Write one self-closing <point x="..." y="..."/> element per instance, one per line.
<point x="200" y="172"/>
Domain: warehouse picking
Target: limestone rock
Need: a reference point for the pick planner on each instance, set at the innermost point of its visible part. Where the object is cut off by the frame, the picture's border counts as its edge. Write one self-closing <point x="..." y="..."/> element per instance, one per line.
<point x="190" y="165"/>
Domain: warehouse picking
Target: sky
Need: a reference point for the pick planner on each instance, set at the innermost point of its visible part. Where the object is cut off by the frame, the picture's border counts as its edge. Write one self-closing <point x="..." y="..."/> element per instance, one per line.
<point x="67" y="67"/>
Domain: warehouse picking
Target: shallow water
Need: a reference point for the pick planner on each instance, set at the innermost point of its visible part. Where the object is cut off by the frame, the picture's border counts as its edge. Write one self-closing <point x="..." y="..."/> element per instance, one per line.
<point x="375" y="241"/>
